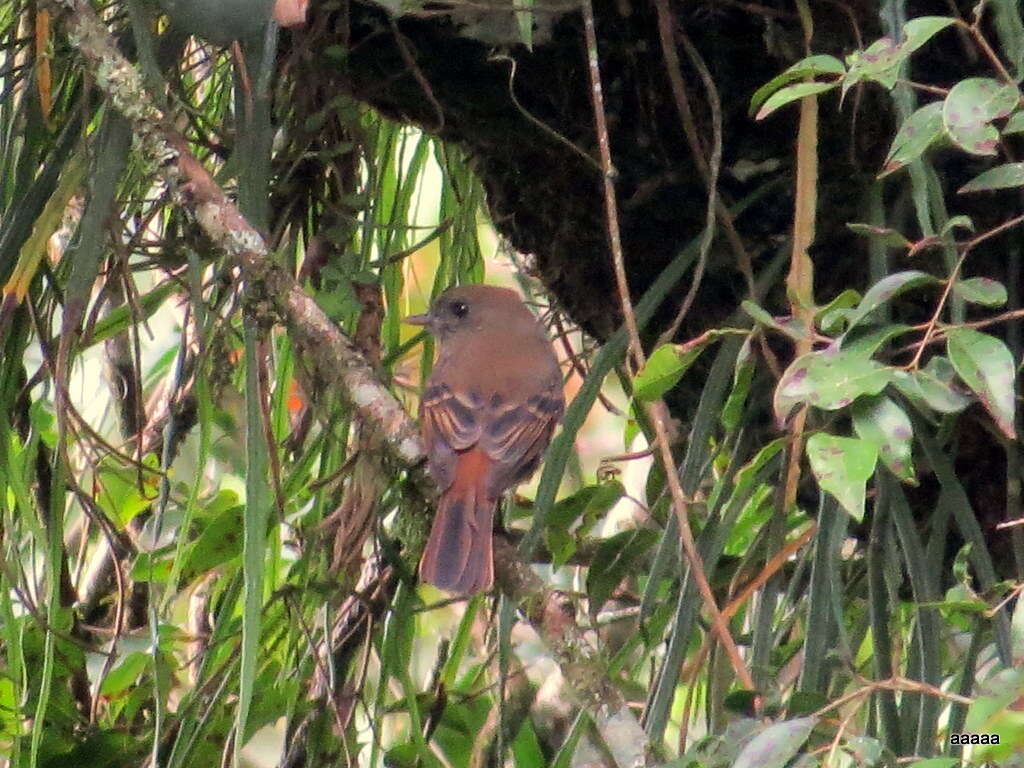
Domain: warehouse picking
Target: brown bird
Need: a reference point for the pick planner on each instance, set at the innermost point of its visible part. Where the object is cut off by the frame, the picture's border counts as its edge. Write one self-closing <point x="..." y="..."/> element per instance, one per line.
<point x="488" y="411"/>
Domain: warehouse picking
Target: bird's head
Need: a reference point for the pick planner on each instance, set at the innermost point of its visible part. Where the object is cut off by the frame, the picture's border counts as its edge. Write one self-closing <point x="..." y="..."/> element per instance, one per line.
<point x="470" y="309"/>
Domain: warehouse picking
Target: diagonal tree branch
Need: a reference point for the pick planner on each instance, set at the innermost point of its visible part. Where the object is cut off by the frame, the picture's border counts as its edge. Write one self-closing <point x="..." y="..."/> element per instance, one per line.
<point x="333" y="354"/>
<point x="336" y="358"/>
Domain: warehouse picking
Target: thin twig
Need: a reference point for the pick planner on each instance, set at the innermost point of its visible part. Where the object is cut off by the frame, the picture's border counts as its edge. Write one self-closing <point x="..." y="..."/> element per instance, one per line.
<point x="1008" y="224"/>
<point x="979" y="39"/>
<point x="838" y="737"/>
<point x="940" y="333"/>
<point x="647" y="452"/>
<point x="417" y="74"/>
<point x="711" y="176"/>
<point x="925" y="87"/>
<point x="1011" y="595"/>
<point x="677" y="85"/>
<point x="575" y="363"/>
<point x="773" y="566"/>
<point x="657" y="412"/>
<point x="608" y="175"/>
<point x="398" y="256"/>
<point x="544" y="127"/>
<point x="893" y="684"/>
<point x="939" y="307"/>
<point x="951" y="281"/>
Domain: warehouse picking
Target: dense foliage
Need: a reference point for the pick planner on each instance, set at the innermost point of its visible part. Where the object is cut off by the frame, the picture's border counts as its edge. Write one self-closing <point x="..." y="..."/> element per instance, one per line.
<point x="805" y="545"/>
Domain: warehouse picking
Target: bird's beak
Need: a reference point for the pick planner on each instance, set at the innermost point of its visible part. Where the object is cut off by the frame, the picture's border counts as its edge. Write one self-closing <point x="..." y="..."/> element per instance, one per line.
<point x="423" y="319"/>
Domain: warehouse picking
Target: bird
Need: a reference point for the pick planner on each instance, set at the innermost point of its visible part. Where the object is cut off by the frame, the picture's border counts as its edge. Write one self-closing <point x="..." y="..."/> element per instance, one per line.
<point x="488" y="410"/>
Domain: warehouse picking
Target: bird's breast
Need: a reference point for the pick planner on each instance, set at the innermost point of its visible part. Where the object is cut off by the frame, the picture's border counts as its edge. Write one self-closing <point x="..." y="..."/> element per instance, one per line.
<point x="489" y="372"/>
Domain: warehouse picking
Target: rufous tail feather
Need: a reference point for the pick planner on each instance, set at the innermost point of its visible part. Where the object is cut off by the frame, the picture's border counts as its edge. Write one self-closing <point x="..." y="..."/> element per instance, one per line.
<point x="458" y="557"/>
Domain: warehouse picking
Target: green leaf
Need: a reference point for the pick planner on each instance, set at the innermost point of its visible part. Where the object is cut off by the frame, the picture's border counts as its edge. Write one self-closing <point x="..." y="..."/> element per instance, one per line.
<point x="753" y="516"/>
<point x="806" y="702"/>
<point x="776" y="745"/>
<point x="809" y="67"/>
<point x="118" y="488"/>
<point x="918" y="132"/>
<point x="251" y="533"/>
<point x="936" y="762"/>
<point x="153" y="567"/>
<point x="957" y="222"/>
<point x="880" y="421"/>
<point x="98" y="749"/>
<point x="848" y="298"/>
<point x="743" y="374"/>
<point x="880" y="62"/>
<point x="630" y="430"/>
<point x="869" y="340"/>
<point x="606" y="496"/>
<point x="842" y="466"/>
<point x="986" y="366"/>
<point x="274" y="689"/>
<point x="952" y="607"/>
<point x="1004" y="176"/>
<point x="981" y="290"/>
<point x="588" y="504"/>
<point x="786" y="326"/>
<point x="747" y="474"/>
<point x="996" y="711"/>
<point x="44" y="421"/>
<point x="663" y="370"/>
<point x="526" y="749"/>
<point x="402" y="755"/>
<point x="887" y="289"/>
<point x="125" y="674"/>
<point x="791" y="93"/>
<point x="219" y="542"/>
<point x="919" y="31"/>
<point x="885" y="235"/>
<point x="338" y="299"/>
<point x="1015" y="124"/>
<point x="563" y="758"/>
<point x="865" y="750"/>
<point x="400" y="634"/>
<point x="969" y="109"/>
<point x="121" y="318"/>
<point x="615" y="559"/>
<point x="933" y="386"/>
<point x="831" y="316"/>
<point x="829" y="379"/>
<point x="568" y="510"/>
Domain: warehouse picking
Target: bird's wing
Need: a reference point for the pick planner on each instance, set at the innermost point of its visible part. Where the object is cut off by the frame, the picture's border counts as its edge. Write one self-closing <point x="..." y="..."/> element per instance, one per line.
<point x="513" y="435"/>
<point x="451" y="423"/>
<point x="516" y="435"/>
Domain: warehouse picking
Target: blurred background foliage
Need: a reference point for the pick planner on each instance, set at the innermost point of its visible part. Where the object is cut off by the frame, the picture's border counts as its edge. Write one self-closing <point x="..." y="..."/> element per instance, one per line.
<point x="207" y="559"/>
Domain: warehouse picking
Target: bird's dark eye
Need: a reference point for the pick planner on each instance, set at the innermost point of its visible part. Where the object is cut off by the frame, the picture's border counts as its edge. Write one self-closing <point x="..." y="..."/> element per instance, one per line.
<point x="460" y="309"/>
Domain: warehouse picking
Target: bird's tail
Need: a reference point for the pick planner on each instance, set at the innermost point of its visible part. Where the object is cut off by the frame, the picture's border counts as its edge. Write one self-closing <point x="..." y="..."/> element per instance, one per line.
<point x="458" y="557"/>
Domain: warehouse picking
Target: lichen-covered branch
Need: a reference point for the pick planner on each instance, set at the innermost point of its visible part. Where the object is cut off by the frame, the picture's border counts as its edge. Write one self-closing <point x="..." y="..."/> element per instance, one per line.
<point x="333" y="354"/>
<point x="553" y="617"/>
<point x="336" y="358"/>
